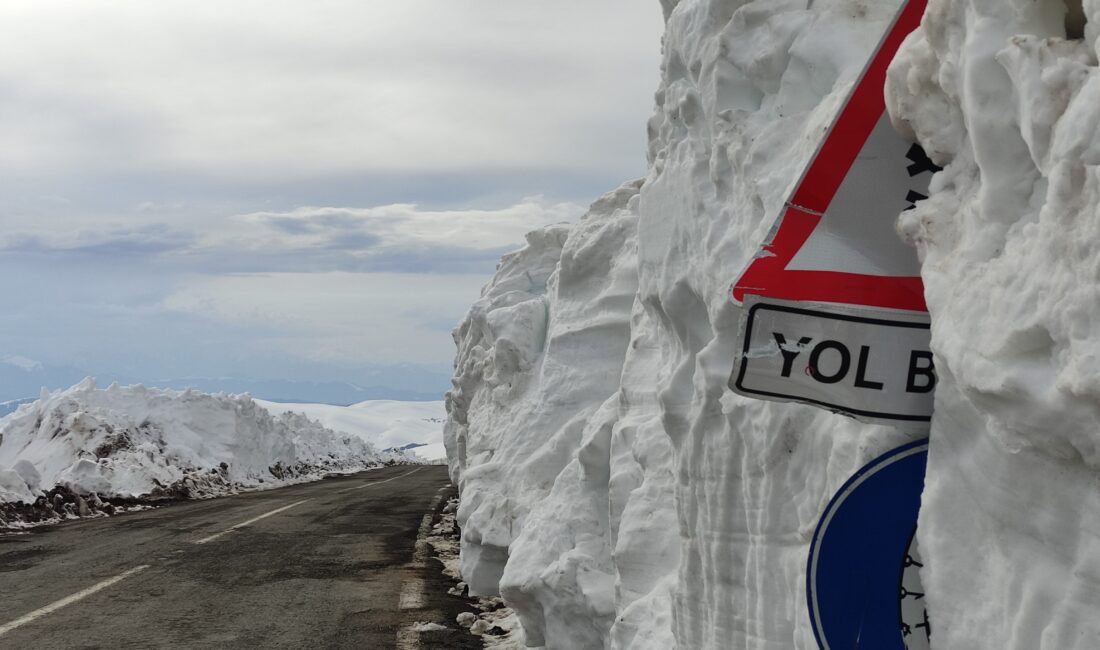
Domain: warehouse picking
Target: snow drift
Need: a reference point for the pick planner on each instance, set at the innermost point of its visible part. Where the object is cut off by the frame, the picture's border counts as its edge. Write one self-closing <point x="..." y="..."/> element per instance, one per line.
<point x="618" y="495"/>
<point x="139" y="442"/>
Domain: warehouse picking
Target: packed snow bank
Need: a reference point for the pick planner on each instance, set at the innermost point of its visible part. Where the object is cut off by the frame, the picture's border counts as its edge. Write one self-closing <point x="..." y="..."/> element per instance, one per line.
<point x="137" y="442"/>
<point x="386" y="424"/>
<point x="1010" y="242"/>
<point x="619" y="495"/>
<point x="532" y="420"/>
<point x="615" y="491"/>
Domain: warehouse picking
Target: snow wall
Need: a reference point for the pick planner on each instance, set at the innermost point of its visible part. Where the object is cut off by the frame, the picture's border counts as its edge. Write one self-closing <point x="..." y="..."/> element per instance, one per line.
<point x="618" y="495"/>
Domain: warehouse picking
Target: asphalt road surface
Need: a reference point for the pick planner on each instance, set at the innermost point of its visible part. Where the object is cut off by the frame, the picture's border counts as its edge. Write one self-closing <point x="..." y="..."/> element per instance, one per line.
<point x="330" y="564"/>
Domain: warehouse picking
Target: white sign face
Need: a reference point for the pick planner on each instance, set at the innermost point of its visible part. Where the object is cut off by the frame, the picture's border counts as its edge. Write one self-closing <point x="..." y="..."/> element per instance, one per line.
<point x="874" y="364"/>
<point x="857" y="232"/>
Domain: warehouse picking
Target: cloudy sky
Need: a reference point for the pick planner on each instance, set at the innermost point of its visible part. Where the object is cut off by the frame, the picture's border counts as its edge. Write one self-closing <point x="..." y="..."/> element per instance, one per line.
<point x="294" y="189"/>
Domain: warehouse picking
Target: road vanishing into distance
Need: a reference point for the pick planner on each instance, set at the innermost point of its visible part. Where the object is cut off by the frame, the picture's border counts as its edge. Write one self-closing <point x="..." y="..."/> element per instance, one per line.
<point x="330" y="564"/>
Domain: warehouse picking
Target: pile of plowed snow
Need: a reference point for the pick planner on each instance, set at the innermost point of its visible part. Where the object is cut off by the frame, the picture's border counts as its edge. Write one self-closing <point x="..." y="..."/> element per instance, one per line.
<point x="143" y="442"/>
<point x="619" y="495"/>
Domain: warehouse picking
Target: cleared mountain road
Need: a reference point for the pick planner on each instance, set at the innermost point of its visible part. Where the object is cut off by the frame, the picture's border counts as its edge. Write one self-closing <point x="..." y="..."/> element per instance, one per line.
<point x="329" y="564"/>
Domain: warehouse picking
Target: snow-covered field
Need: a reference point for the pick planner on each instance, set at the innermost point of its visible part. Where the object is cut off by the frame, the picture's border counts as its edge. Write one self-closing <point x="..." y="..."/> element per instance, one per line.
<point x="385" y="424"/>
<point x="138" y="442"/>
<point x="619" y="495"/>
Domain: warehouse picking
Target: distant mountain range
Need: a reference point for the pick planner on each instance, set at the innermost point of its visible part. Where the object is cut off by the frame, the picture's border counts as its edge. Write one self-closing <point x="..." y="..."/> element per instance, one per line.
<point x="338" y="393"/>
<point x="12" y="405"/>
<point x="21" y="379"/>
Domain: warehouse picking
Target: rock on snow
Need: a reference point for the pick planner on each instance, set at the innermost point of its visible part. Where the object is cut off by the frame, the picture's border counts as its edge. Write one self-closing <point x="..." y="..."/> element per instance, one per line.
<point x="136" y="442"/>
<point x="618" y="495"/>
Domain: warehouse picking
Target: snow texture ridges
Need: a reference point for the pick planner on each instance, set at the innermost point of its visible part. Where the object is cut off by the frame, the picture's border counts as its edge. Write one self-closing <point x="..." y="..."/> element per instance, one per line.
<point x="1010" y="243"/>
<point x="614" y="490"/>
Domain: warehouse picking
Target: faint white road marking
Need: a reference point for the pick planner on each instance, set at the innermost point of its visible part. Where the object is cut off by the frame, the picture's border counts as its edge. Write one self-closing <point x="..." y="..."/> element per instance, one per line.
<point x="408" y="638"/>
<point x="69" y="600"/>
<point x="249" y="522"/>
<point x="412" y="594"/>
<point x="412" y="590"/>
<point x="360" y="487"/>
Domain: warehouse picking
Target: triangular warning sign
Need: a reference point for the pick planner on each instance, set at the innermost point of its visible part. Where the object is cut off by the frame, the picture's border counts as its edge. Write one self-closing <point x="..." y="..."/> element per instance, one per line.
<point x="835" y="240"/>
<point x="834" y="305"/>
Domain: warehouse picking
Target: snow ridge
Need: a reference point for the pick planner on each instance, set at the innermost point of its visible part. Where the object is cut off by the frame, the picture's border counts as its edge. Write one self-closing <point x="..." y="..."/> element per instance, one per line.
<point x="143" y="442"/>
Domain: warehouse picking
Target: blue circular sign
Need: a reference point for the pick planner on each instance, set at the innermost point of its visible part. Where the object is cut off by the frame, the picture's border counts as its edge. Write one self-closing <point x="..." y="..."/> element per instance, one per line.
<point x="863" y="588"/>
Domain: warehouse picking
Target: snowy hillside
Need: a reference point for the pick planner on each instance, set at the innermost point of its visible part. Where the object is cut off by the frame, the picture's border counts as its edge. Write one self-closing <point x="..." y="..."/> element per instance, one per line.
<point x="619" y="495"/>
<point x="136" y="441"/>
<point x="386" y="424"/>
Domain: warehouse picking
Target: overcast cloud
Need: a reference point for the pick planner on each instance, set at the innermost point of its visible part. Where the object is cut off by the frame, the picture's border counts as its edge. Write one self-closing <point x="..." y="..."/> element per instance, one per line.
<point x="295" y="189"/>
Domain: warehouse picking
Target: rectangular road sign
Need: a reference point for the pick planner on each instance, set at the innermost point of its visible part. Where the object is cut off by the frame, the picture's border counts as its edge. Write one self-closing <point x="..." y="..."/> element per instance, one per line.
<point x="866" y="362"/>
